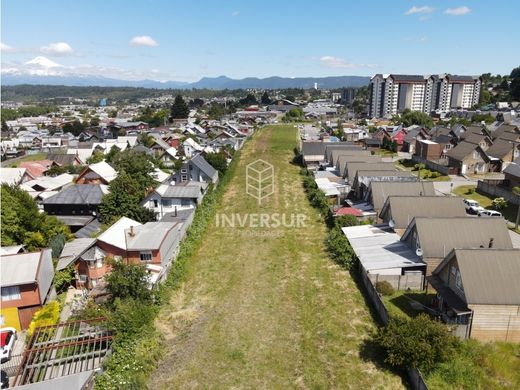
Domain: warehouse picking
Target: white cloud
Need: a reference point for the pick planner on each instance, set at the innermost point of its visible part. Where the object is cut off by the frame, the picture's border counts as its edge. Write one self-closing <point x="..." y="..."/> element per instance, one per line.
<point x="235" y="13"/>
<point x="459" y="11"/>
<point x="425" y="9"/>
<point x="143" y="40"/>
<point x="57" y="49"/>
<point x="6" y="48"/>
<point x="336" y="62"/>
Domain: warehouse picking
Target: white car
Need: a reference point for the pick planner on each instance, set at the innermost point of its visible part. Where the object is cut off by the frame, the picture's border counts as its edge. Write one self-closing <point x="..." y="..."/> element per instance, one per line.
<point x="8" y="337"/>
<point x="489" y="213"/>
<point x="472" y="206"/>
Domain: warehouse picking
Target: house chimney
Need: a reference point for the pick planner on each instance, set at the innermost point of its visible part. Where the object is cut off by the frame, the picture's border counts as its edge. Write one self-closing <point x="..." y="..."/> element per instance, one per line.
<point x="491" y="242"/>
<point x="132" y="233"/>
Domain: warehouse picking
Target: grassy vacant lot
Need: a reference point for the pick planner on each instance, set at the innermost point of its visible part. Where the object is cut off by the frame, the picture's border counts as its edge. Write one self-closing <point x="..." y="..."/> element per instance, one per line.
<point x="266" y="308"/>
<point x="15" y="162"/>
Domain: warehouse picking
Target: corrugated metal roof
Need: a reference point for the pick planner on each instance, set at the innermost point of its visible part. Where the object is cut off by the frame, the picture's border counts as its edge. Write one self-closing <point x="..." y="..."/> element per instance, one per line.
<point x="490" y="276"/>
<point x="380" y="249"/>
<point x="381" y="190"/>
<point x="104" y="170"/>
<point x="180" y="191"/>
<point x="20" y="269"/>
<point x="403" y="209"/>
<point x="10" y="250"/>
<point x="313" y="148"/>
<point x="148" y="236"/>
<point x="88" y="230"/>
<point x="72" y="250"/>
<point x="438" y="236"/>
<point x="204" y="166"/>
<point x="352" y="167"/>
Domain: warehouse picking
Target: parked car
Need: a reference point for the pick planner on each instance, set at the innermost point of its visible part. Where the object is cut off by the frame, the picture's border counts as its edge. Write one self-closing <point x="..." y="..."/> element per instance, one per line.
<point x="8" y="337"/>
<point x="489" y="213"/>
<point x="472" y="206"/>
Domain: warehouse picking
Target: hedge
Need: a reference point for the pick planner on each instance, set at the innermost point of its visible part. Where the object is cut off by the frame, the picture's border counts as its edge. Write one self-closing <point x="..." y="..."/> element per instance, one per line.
<point x="47" y="315"/>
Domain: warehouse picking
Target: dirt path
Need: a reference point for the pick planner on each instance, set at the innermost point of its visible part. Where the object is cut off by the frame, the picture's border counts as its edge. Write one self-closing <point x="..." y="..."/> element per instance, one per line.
<point x="265" y="308"/>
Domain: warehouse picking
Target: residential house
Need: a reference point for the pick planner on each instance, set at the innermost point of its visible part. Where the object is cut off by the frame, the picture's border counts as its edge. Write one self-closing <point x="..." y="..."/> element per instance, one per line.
<point x="428" y="150"/>
<point x="98" y="173"/>
<point x="412" y="136"/>
<point x="159" y="146"/>
<point x="196" y="169"/>
<point x="15" y="176"/>
<point x="478" y="290"/>
<point x="37" y="168"/>
<point x="512" y="174"/>
<point x="504" y="128"/>
<point x="25" y="281"/>
<point x="379" y="191"/>
<point x="191" y="147"/>
<point x="354" y="157"/>
<point x="468" y="158"/>
<point x="169" y="198"/>
<point x="351" y="168"/>
<point x="76" y="205"/>
<point x="169" y="156"/>
<point x="398" y="211"/>
<point x="435" y="237"/>
<point x="313" y="153"/>
<point x="363" y="179"/>
<point x="332" y="153"/>
<point x="503" y="153"/>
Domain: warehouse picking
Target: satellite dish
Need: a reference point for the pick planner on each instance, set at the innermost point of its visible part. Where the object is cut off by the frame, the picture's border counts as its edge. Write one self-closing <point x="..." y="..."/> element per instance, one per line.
<point x="391" y="223"/>
<point x="419" y="252"/>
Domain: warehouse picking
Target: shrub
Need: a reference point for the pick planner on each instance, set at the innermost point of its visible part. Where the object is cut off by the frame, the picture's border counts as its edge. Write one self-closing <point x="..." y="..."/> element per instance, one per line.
<point x="128" y="281"/>
<point x="499" y="203"/>
<point x="435" y="175"/>
<point x="47" y="315"/>
<point x="384" y="288"/>
<point x="470" y="191"/>
<point x="416" y="342"/>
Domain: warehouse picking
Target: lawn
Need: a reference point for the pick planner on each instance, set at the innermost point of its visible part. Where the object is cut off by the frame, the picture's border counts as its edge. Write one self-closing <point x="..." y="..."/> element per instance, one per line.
<point x="485" y="201"/>
<point x="15" y="162"/>
<point x="401" y="302"/>
<point x="408" y="165"/>
<point x="265" y="307"/>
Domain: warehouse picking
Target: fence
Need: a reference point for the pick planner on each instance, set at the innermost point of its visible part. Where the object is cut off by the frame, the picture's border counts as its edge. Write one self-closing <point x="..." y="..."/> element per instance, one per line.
<point x="414" y="375"/>
<point x="494" y="190"/>
<point x="443" y="169"/>
<point x="412" y="281"/>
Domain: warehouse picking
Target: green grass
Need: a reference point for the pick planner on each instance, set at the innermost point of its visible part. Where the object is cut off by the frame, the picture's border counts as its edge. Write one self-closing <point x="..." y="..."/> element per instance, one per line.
<point x="479" y="366"/>
<point x="399" y="303"/>
<point x="30" y="157"/>
<point x="267" y="308"/>
<point x="485" y="201"/>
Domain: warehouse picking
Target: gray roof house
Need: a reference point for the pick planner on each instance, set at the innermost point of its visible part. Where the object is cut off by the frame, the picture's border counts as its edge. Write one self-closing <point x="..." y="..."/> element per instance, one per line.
<point x="378" y="191"/>
<point x="196" y="169"/>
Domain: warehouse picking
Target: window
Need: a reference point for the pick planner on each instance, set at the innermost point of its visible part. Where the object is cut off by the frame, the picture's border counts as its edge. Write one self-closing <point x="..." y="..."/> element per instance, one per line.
<point x="185" y="202"/>
<point x="184" y="178"/>
<point x="146" y="256"/>
<point x="167" y="203"/>
<point x="99" y="263"/>
<point x="184" y="171"/>
<point x="458" y="281"/>
<point x="11" y="293"/>
<point x="155" y="203"/>
<point x="83" y="278"/>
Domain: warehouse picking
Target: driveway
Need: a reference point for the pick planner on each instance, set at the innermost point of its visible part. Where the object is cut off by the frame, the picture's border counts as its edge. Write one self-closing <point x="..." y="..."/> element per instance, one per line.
<point x="445" y="187"/>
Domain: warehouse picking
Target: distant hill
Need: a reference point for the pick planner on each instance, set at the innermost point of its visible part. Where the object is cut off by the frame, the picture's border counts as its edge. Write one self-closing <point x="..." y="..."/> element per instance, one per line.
<point x="221" y="82"/>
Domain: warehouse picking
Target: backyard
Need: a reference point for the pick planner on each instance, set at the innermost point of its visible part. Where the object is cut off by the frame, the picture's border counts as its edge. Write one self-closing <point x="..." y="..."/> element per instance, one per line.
<point x="266" y="307"/>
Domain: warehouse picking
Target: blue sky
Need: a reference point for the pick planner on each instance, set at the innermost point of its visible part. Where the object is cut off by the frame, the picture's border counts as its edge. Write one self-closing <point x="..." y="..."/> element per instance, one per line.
<point x="185" y="40"/>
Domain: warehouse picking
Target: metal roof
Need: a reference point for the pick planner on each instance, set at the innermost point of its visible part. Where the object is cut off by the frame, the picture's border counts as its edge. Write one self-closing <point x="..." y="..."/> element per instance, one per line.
<point x="438" y="236"/>
<point x="75" y="220"/>
<point x="104" y="170"/>
<point x="489" y="276"/>
<point x="500" y="148"/>
<point x="204" y="166"/>
<point x="402" y="209"/>
<point x="352" y="168"/>
<point x="88" y="230"/>
<point x="313" y="148"/>
<point x="378" y="249"/>
<point x="115" y="234"/>
<point x="148" y="236"/>
<point x="462" y="150"/>
<point x="513" y="168"/>
<point x="10" y="250"/>
<point x="20" y="268"/>
<point x="72" y="250"/>
<point x="190" y="191"/>
<point x="79" y="194"/>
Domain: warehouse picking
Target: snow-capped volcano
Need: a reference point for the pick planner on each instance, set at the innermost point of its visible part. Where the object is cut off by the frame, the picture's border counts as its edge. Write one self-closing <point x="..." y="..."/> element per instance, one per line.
<point x="43" y="62"/>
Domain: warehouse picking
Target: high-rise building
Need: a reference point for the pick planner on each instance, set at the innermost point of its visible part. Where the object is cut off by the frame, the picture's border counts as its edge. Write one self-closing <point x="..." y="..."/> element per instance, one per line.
<point x="392" y="94"/>
<point x="348" y="95"/>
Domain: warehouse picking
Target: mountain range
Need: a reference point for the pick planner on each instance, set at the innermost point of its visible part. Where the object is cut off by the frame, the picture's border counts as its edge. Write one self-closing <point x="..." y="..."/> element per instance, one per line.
<point x="221" y="82"/>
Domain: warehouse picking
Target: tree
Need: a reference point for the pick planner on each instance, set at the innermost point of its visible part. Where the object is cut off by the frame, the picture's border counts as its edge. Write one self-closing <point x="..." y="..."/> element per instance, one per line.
<point x="409" y="118"/>
<point x="112" y="113"/>
<point x="112" y="154"/>
<point x="128" y="281"/>
<point x="216" y="111"/>
<point x="416" y="342"/>
<point x="146" y="140"/>
<point x="265" y="100"/>
<point x="196" y="103"/>
<point x="179" y="109"/>
<point x="75" y="127"/>
<point x="138" y="166"/>
<point x="499" y="203"/>
<point x="514" y="87"/>
<point x="96" y="157"/>
<point x="5" y="128"/>
<point x="94" y="121"/>
<point x="249" y="100"/>
<point x="123" y="200"/>
<point x="217" y="161"/>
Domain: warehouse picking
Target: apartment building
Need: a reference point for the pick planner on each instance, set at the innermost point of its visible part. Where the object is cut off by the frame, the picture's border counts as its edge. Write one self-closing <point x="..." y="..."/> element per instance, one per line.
<point x="391" y="94"/>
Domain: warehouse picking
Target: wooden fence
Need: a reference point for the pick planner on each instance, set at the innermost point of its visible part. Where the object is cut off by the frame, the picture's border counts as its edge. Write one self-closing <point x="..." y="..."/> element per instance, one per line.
<point x="494" y="190"/>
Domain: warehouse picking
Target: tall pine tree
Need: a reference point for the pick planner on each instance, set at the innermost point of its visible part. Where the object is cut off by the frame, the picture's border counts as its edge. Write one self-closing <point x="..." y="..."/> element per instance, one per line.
<point x="179" y="108"/>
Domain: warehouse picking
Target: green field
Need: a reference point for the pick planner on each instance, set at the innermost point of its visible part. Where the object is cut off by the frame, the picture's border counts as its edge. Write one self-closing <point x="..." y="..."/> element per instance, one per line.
<point x="266" y="308"/>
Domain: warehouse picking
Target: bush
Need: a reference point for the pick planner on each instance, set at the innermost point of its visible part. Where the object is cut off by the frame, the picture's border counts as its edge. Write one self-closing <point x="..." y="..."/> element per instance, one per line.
<point x="499" y="203"/>
<point x="47" y="315"/>
<point x="128" y="281"/>
<point x="435" y="175"/>
<point x="384" y="288"/>
<point x="416" y="342"/>
<point x="470" y="191"/>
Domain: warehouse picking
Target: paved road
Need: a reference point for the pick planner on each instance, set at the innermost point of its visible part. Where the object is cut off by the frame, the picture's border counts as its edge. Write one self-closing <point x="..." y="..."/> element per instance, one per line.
<point x="445" y="187"/>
